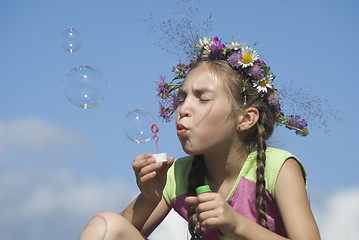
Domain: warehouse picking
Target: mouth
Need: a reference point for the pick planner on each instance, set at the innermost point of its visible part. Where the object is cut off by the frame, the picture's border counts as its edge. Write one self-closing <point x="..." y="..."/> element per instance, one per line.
<point x="181" y="129"/>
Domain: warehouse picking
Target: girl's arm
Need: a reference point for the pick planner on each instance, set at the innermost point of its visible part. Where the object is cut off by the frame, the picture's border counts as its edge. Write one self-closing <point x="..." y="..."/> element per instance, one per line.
<point x="149" y="208"/>
<point x="292" y="200"/>
<point x="145" y="215"/>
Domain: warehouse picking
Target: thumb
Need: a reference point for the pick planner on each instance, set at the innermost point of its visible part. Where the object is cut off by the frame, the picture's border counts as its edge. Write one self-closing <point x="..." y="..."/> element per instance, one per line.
<point x="166" y="165"/>
<point x="191" y="200"/>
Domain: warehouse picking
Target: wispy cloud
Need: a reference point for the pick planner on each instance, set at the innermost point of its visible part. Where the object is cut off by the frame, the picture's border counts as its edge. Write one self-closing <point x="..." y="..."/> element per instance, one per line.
<point x="34" y="135"/>
<point x="43" y="195"/>
<point x="57" y="204"/>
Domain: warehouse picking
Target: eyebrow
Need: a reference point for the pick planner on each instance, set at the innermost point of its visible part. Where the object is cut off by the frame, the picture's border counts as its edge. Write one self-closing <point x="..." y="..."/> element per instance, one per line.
<point x="196" y="91"/>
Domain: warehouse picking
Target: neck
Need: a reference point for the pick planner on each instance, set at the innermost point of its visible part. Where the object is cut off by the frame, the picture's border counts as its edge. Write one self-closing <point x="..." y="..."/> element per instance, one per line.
<point x="223" y="166"/>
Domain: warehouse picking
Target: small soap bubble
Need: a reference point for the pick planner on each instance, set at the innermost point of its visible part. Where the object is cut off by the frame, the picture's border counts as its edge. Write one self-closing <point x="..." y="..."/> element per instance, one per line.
<point x="138" y="123"/>
<point x="70" y="40"/>
<point x="85" y="86"/>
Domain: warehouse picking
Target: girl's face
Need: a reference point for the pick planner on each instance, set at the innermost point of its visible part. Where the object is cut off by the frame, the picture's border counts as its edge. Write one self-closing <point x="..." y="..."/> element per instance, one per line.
<point x="203" y="115"/>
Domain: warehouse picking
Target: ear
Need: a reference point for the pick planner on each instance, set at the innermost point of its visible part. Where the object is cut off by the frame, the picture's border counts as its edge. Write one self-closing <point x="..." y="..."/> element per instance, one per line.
<point x="248" y="118"/>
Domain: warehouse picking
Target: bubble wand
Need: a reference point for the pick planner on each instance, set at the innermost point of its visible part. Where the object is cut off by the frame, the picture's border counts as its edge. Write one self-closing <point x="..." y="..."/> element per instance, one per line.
<point x="140" y="127"/>
<point x="160" y="157"/>
<point x="155" y="129"/>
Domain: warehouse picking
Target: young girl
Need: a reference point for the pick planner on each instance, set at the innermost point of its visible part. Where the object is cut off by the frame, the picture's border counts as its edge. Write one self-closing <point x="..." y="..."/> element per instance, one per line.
<point x="226" y="110"/>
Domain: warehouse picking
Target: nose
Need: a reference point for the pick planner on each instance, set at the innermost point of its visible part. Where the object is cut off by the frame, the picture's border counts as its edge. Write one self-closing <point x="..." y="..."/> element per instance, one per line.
<point x="184" y="109"/>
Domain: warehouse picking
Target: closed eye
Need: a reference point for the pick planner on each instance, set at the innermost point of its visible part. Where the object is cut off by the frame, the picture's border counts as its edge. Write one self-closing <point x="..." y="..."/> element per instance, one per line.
<point x="205" y="100"/>
<point x="181" y="97"/>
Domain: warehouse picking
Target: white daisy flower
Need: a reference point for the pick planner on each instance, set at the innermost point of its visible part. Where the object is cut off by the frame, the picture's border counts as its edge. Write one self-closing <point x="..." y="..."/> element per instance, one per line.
<point x="205" y="44"/>
<point x="263" y="84"/>
<point x="249" y="56"/>
<point x="235" y="46"/>
<point x="205" y="41"/>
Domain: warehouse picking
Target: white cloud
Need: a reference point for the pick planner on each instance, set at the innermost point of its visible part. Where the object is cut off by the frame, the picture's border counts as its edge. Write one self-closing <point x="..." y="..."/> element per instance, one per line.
<point x="33" y="134"/>
<point x="338" y="215"/>
<point x="58" y="204"/>
<point x="38" y="202"/>
<point x="53" y="202"/>
<point x="44" y="193"/>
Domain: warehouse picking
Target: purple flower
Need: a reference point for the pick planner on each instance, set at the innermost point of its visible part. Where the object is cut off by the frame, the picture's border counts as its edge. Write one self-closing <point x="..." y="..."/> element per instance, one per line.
<point x="260" y="61"/>
<point x="174" y="103"/>
<point x="256" y="72"/>
<point x="216" y="49"/>
<point x="162" y="87"/>
<point x="164" y="112"/>
<point x="181" y="68"/>
<point x="217" y="44"/>
<point x="273" y="100"/>
<point x="297" y="124"/>
<point x="234" y="59"/>
<point x="179" y="65"/>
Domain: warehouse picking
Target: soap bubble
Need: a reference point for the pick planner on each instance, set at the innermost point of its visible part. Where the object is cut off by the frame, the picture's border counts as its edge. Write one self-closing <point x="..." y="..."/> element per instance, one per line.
<point x="138" y="123"/>
<point x="85" y="86"/>
<point x="70" y="40"/>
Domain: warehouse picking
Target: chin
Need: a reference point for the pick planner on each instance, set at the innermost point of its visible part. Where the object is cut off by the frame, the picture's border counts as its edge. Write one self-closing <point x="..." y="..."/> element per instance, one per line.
<point x="191" y="151"/>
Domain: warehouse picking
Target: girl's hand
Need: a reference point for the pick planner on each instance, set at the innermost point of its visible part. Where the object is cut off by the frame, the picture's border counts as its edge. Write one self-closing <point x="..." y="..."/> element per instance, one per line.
<point x="151" y="176"/>
<point x="214" y="211"/>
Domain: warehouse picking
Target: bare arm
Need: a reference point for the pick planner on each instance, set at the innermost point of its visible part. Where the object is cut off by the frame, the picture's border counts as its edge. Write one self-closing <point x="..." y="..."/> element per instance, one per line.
<point x="291" y="197"/>
<point x="149" y="208"/>
<point x="292" y="200"/>
<point x="146" y="215"/>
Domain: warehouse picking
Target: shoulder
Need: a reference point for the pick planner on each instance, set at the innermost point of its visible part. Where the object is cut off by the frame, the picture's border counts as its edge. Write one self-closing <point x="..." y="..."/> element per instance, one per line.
<point x="275" y="159"/>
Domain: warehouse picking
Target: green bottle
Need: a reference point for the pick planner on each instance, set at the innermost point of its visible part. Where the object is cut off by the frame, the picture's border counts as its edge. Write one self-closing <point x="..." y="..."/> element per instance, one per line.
<point x="203" y="189"/>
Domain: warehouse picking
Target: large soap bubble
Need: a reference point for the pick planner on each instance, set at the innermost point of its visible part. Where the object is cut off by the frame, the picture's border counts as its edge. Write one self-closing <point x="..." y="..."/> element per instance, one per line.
<point x="140" y="127"/>
<point x="138" y="124"/>
<point x="70" y="40"/>
<point x="85" y="86"/>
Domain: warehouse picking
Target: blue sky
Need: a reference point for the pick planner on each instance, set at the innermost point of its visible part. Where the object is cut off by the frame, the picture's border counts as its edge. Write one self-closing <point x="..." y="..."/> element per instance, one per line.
<point x="60" y="164"/>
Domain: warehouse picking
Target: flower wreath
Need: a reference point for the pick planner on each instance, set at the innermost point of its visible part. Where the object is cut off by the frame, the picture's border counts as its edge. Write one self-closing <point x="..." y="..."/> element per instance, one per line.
<point x="244" y="60"/>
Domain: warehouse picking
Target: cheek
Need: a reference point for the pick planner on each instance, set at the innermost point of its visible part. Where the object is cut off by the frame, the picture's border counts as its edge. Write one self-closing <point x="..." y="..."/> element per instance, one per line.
<point x="176" y="116"/>
<point x="203" y="113"/>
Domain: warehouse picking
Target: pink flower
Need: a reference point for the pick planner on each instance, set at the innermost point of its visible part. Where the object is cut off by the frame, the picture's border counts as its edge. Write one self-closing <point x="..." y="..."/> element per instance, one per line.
<point x="165" y="112"/>
<point x="162" y="87"/>
<point x="217" y="44"/>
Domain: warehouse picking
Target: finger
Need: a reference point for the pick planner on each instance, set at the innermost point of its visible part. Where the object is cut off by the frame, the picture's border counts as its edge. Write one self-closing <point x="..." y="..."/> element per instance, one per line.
<point x="170" y="161"/>
<point x="210" y="223"/>
<point x="142" y="156"/>
<point x="206" y="206"/>
<point x="147" y="177"/>
<point x="207" y="196"/>
<point x="167" y="165"/>
<point x="140" y="161"/>
<point x="191" y="200"/>
<point x="149" y="168"/>
<point x="204" y="215"/>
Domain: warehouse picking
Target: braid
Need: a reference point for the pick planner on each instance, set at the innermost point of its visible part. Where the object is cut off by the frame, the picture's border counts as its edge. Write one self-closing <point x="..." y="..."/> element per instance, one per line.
<point x="244" y="96"/>
<point x="195" y="179"/>
<point x="261" y="183"/>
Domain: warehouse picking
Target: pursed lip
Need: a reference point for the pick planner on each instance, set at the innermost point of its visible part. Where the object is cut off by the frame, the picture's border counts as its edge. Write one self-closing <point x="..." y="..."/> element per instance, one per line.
<point x="181" y="129"/>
